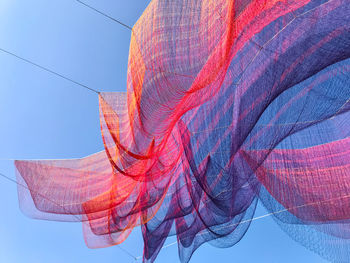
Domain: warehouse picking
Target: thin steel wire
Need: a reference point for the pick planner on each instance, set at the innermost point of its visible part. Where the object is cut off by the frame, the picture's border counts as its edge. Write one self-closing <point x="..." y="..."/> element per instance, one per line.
<point x="48" y="70"/>
<point x="105" y="15"/>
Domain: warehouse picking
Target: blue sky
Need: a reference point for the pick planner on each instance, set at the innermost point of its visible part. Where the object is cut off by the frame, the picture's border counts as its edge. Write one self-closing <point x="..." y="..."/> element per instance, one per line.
<point x="44" y="116"/>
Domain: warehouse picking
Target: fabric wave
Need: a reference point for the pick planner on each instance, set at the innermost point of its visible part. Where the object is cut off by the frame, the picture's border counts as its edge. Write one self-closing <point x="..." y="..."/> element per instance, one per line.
<point x="227" y="103"/>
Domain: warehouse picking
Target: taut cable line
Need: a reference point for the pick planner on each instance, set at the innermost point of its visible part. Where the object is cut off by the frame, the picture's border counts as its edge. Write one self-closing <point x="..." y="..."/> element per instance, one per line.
<point x="48" y="70"/>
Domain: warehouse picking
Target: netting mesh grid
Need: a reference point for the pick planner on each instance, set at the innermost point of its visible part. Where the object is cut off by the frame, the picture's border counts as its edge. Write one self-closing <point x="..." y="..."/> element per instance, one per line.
<point x="228" y="103"/>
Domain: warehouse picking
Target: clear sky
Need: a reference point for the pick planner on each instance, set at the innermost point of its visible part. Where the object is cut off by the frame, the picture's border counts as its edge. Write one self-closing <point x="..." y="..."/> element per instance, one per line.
<point x="43" y="116"/>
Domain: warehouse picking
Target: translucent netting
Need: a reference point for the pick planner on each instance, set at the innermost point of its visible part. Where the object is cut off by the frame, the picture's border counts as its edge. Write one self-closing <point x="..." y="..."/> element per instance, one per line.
<point x="228" y="103"/>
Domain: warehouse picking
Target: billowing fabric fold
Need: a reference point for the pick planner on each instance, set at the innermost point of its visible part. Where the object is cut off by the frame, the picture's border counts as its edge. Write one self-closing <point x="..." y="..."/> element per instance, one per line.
<point x="228" y="103"/>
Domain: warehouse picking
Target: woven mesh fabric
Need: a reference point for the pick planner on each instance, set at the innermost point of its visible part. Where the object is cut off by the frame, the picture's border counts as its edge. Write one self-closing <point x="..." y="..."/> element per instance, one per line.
<point x="227" y="103"/>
